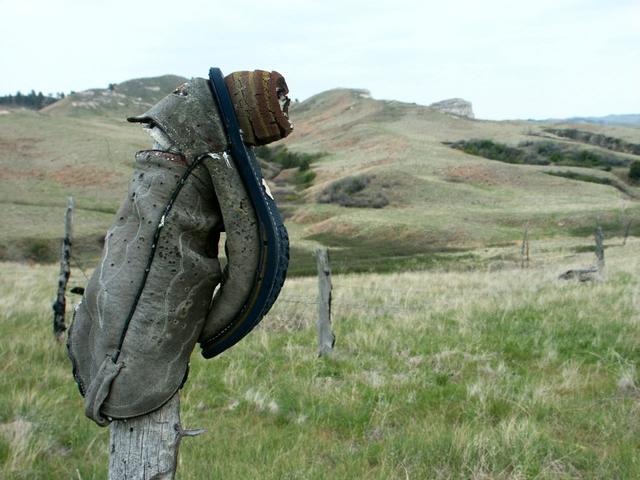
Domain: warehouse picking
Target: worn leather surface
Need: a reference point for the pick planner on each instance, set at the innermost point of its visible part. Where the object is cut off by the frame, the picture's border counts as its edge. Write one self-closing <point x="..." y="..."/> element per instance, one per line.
<point x="242" y="246"/>
<point x="189" y="118"/>
<point x="178" y="292"/>
<point x="174" y="302"/>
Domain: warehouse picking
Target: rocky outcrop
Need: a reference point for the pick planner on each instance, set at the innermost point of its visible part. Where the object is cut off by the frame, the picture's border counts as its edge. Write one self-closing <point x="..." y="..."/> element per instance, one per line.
<point x="454" y="106"/>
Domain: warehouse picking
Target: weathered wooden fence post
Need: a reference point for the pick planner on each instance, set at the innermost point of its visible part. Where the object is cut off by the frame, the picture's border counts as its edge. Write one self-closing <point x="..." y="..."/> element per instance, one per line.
<point x="524" y="248"/>
<point x="326" y="338"/>
<point x="599" y="238"/>
<point x="60" y="305"/>
<point x="146" y="447"/>
<point x="627" y="229"/>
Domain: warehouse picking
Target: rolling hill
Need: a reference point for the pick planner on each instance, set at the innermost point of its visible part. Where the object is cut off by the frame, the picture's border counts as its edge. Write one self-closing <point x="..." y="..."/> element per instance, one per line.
<point x="627" y="120"/>
<point x="389" y="190"/>
<point x="117" y="100"/>
<point x="440" y="197"/>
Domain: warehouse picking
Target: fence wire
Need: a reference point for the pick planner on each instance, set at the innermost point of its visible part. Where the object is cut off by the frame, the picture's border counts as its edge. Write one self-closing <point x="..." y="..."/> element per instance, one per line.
<point x="338" y="304"/>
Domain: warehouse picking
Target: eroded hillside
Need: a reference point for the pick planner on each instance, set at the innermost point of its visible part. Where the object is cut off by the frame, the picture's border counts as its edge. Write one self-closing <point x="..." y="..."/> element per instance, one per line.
<point x="440" y="197"/>
<point x="383" y="182"/>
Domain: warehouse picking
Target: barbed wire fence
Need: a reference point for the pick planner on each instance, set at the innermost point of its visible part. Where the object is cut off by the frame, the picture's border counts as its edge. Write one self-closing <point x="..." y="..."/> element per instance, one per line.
<point x="387" y="303"/>
<point x="324" y="301"/>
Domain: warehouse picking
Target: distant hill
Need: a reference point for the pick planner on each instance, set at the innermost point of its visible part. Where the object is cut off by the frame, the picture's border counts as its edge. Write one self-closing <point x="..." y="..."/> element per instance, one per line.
<point x="437" y="196"/>
<point x="383" y="180"/>
<point x="628" y="120"/>
<point x="120" y="100"/>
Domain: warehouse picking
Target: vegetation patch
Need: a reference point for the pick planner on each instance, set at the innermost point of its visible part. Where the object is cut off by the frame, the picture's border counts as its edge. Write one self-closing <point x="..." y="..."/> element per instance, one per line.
<point x="634" y="171"/>
<point x="353" y="192"/>
<point x="583" y="178"/>
<point x="592" y="179"/>
<point x="86" y="250"/>
<point x="540" y="153"/>
<point x="492" y="150"/>
<point x="512" y="375"/>
<point x="598" y="139"/>
<point x="286" y="159"/>
<point x="587" y="248"/>
<point x="380" y="260"/>
<point x="32" y="100"/>
<point x="357" y="254"/>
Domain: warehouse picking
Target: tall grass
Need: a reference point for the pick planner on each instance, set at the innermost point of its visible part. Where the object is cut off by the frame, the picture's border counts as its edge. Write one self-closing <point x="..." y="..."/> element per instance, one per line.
<point x="484" y="374"/>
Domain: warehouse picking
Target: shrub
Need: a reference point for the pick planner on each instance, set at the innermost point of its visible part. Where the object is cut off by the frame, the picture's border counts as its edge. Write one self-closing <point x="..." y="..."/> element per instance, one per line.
<point x="305" y="177"/>
<point x="37" y="249"/>
<point x="491" y="150"/>
<point x="634" y="170"/>
<point x="285" y="158"/>
<point x="611" y="143"/>
<point x="353" y="192"/>
<point x="540" y="153"/>
<point x="582" y="177"/>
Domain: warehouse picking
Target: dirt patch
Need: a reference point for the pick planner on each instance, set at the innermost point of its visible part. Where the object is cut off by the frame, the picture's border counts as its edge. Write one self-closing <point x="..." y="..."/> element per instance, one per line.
<point x="23" y="147"/>
<point x="286" y="176"/>
<point x="82" y="176"/>
<point x="477" y="174"/>
<point x="10" y="174"/>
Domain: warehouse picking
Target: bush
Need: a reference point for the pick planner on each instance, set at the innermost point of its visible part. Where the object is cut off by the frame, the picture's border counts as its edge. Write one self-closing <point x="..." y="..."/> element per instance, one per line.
<point x="353" y="192"/>
<point x="611" y="143"/>
<point x="36" y="249"/>
<point x="305" y="177"/>
<point x="582" y="177"/>
<point x="634" y="170"/>
<point x="540" y="153"/>
<point x="491" y="150"/>
<point x="285" y="158"/>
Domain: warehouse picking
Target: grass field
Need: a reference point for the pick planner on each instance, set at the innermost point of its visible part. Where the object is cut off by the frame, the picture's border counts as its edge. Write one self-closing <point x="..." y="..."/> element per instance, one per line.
<point x="501" y="374"/>
<point x="450" y="363"/>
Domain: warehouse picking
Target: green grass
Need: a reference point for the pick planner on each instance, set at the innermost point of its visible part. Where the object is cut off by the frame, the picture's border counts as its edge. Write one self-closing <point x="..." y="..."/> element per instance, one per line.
<point x="485" y="374"/>
<point x="379" y="260"/>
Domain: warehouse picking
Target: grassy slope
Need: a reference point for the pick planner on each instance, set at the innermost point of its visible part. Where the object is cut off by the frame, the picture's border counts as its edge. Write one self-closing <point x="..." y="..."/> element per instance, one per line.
<point x="125" y="99"/>
<point x="46" y="158"/>
<point x="440" y="197"/>
<point x="493" y="373"/>
<point x="507" y="374"/>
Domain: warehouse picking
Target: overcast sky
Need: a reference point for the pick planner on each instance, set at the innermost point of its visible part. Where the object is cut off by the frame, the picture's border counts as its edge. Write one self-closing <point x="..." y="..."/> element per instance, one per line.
<point x="512" y="59"/>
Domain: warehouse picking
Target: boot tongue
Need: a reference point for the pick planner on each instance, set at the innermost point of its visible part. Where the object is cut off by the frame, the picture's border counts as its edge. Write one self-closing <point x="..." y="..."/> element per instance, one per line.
<point x="160" y="139"/>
